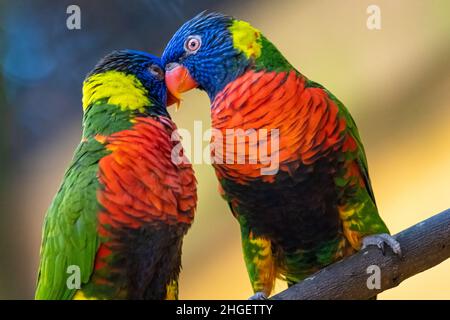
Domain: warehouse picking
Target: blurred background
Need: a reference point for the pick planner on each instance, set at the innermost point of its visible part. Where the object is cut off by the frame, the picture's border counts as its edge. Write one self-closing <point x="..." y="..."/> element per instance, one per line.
<point x="395" y="81"/>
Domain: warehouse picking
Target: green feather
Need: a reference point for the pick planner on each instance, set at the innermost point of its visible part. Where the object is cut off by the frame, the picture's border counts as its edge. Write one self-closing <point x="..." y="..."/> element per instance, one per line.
<point x="70" y="228"/>
<point x="271" y="59"/>
<point x="366" y="217"/>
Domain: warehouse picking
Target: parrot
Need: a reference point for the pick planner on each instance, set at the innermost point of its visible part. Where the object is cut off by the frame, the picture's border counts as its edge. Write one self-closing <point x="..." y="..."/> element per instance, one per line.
<point x="316" y="206"/>
<point x="115" y="228"/>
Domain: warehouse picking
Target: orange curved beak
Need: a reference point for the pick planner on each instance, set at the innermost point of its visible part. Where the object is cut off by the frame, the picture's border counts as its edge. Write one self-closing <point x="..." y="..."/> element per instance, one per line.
<point x="178" y="80"/>
<point x="171" y="99"/>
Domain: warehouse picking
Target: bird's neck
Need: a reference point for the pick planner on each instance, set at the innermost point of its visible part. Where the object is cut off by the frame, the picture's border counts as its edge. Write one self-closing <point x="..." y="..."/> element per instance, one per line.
<point x="268" y="59"/>
<point x="271" y="59"/>
<point x="106" y="119"/>
<point x="112" y="100"/>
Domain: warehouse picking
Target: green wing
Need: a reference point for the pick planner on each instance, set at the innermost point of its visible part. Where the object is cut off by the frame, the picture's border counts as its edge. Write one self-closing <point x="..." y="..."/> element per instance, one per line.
<point x="70" y="228"/>
<point x="360" y="156"/>
<point x="358" y="210"/>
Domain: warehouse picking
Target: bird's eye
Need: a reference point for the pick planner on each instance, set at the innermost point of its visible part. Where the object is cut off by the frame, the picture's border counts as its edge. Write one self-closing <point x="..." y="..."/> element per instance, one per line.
<point x="156" y="71"/>
<point x="192" y="44"/>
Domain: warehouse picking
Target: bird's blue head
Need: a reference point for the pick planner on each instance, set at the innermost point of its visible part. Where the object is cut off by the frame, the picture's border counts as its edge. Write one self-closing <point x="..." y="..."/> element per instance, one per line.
<point x="208" y="52"/>
<point x="133" y="80"/>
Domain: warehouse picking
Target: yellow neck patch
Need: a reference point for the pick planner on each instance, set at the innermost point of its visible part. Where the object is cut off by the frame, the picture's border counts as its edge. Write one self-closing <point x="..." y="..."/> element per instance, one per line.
<point x="246" y="38"/>
<point x="79" y="295"/>
<point x="118" y="88"/>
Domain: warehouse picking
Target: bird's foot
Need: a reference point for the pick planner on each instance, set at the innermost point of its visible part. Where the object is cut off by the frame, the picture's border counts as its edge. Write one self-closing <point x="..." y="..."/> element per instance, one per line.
<point x="258" y="296"/>
<point x="380" y="240"/>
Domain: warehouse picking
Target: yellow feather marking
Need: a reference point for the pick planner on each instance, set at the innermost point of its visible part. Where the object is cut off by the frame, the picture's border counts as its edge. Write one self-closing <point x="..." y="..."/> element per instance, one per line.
<point x="265" y="265"/>
<point x="344" y="249"/>
<point x="100" y="138"/>
<point x="246" y="38"/>
<point x="353" y="236"/>
<point x="118" y="88"/>
<point x="79" y="295"/>
<point x="172" y="290"/>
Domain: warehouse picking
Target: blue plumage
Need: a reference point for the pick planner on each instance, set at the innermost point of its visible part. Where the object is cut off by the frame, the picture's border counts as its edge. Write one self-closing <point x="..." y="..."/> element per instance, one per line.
<point x="217" y="62"/>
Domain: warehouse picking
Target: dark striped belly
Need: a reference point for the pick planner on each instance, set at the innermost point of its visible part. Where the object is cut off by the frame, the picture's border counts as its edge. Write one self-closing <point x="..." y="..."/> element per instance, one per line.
<point x="297" y="211"/>
<point x="140" y="263"/>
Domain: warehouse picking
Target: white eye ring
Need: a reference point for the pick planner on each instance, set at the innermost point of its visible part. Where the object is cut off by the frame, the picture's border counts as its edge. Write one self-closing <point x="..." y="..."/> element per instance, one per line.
<point x="192" y="44"/>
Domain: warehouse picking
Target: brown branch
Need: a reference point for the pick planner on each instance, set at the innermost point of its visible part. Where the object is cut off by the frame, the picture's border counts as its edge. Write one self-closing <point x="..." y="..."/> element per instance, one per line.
<point x="424" y="246"/>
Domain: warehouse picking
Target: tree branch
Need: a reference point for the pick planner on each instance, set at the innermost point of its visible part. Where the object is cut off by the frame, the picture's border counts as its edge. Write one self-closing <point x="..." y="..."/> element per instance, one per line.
<point x="424" y="246"/>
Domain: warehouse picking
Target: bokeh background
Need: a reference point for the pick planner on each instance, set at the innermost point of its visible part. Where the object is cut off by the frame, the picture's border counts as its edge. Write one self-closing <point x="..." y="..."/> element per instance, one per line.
<point x="395" y="81"/>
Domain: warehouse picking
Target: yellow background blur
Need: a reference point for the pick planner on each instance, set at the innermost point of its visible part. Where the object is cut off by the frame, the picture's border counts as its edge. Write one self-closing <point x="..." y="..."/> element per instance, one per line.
<point x="396" y="83"/>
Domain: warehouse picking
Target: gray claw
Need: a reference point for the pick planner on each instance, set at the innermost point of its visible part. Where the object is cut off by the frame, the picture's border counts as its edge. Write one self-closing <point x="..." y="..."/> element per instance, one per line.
<point x="258" y="296"/>
<point x="380" y="240"/>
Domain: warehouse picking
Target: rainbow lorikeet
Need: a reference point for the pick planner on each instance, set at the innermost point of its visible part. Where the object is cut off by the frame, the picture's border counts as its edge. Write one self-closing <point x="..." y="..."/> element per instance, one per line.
<point x="124" y="206"/>
<point x="318" y="206"/>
